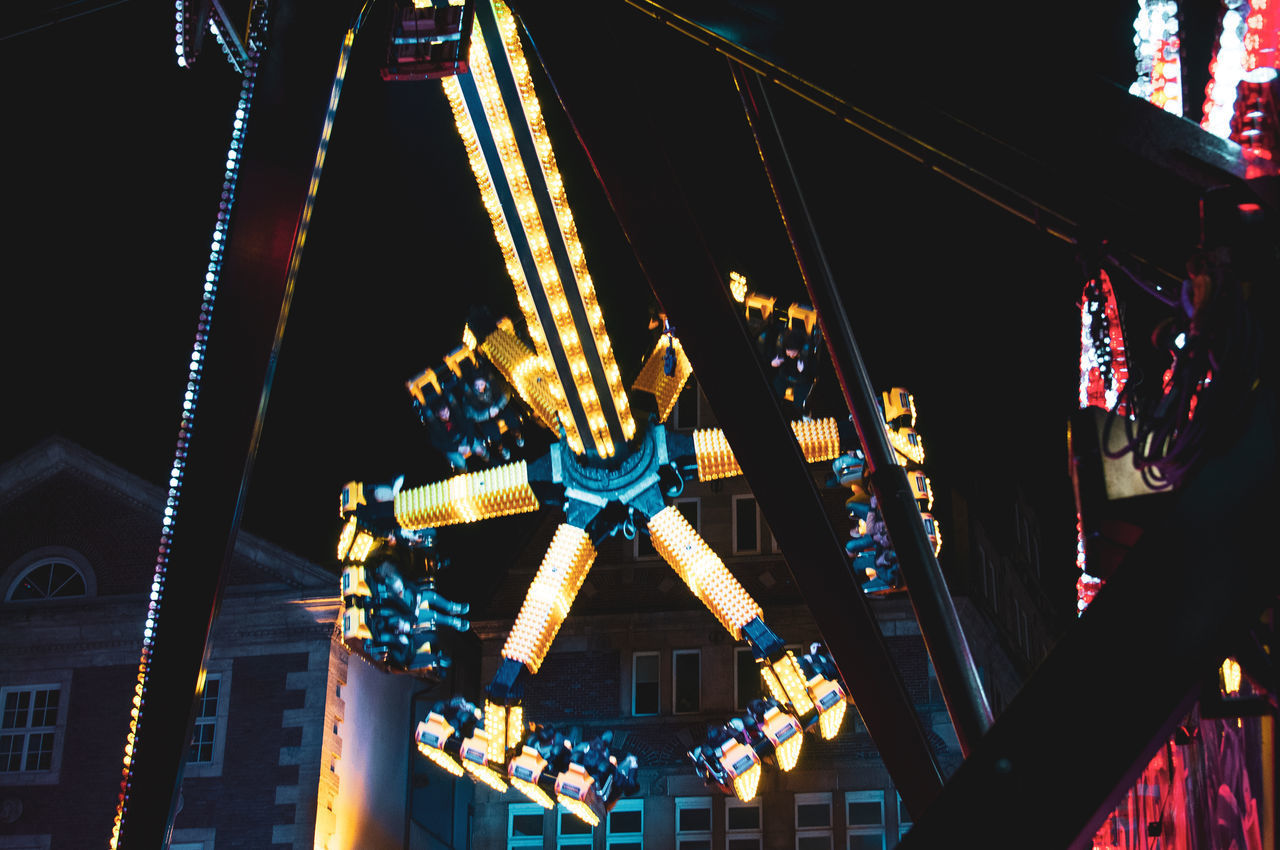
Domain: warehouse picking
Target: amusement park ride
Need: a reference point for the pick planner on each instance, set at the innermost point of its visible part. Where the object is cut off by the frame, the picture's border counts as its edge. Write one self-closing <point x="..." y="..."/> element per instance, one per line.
<point x="609" y="470"/>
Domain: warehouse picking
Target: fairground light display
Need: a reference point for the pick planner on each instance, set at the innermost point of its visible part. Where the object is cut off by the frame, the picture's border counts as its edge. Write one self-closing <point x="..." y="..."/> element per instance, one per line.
<point x="609" y="472"/>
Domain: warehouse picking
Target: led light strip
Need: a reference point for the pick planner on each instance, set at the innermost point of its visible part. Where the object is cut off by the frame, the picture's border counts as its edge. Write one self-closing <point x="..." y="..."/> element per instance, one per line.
<point x="1158" y="49"/>
<point x="1226" y="69"/>
<point x="1112" y="370"/>
<point x="525" y="371"/>
<point x="702" y="570"/>
<point x="653" y="378"/>
<point x="819" y="440"/>
<point x="506" y="244"/>
<point x="526" y="207"/>
<point x="473" y="496"/>
<point x="564" y="216"/>
<point x="550" y="596"/>
<point x="195" y="368"/>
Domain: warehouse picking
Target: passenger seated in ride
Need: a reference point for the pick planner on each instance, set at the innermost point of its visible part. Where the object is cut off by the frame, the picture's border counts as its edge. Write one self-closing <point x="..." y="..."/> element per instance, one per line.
<point x="488" y="407"/>
<point x="791" y="358"/>
<point x="451" y="434"/>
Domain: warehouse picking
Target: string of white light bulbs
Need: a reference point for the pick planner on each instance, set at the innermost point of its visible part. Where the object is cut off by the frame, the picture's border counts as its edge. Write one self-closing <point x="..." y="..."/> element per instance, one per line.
<point x="195" y="368"/>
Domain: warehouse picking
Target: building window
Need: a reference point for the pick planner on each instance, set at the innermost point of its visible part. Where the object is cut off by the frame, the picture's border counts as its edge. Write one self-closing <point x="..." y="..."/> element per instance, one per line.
<point x="524" y="825"/>
<point x="50" y="578"/>
<point x="813" y="821"/>
<point x="686" y="675"/>
<point x="904" y="819"/>
<point x="644" y="683"/>
<point x="685" y="414"/>
<point x="746" y="525"/>
<point x="747" y="683"/>
<point x="192" y="839"/>
<point x="209" y="735"/>
<point x="693" y="823"/>
<point x="742" y="824"/>
<point x="690" y="508"/>
<point x="625" y="830"/>
<point x="206" y="727"/>
<point x="865" y="820"/>
<point x="29" y="728"/>
<point x="571" y="830"/>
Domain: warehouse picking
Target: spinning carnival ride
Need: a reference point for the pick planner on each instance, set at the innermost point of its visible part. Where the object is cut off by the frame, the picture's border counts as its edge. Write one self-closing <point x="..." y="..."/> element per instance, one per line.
<point x="608" y="472"/>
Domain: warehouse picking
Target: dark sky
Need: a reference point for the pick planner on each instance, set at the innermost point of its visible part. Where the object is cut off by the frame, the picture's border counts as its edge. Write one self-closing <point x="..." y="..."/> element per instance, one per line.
<point x="114" y="155"/>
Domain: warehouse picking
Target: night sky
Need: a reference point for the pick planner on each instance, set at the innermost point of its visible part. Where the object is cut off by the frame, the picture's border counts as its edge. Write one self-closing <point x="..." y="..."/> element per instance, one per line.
<point x="114" y="155"/>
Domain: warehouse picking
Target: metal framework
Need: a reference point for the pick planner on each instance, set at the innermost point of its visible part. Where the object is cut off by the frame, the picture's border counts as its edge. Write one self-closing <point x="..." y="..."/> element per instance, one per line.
<point x="1021" y="765"/>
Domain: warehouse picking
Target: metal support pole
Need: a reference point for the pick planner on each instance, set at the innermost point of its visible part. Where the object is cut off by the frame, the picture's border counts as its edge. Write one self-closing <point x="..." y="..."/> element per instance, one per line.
<point x="939" y="624"/>
<point x="278" y="161"/>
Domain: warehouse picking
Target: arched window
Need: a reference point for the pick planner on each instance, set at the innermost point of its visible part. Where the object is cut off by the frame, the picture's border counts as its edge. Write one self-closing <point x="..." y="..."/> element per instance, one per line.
<point x="51" y="579"/>
<point x="52" y="572"/>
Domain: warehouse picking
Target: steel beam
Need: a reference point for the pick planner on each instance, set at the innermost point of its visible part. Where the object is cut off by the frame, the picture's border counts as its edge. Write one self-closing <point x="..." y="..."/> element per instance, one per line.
<point x="935" y="611"/>
<point x="1077" y="735"/>
<point x="292" y="91"/>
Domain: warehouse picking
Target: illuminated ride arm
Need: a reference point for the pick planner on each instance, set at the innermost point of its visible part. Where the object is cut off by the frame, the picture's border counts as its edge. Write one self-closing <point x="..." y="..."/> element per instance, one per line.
<point x="804" y="694"/>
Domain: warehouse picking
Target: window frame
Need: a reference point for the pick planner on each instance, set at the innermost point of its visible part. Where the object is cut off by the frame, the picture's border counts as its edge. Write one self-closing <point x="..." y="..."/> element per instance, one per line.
<point x="731" y="835"/>
<point x="683" y="803"/>
<point x="675" y="687"/>
<point x="756" y="550"/>
<point x="221" y="672"/>
<point x="871" y="795"/>
<point x="59" y="680"/>
<point x="657" y="681"/>
<point x="516" y="842"/>
<point x="37" y="558"/>
<point x="573" y="839"/>
<point x="613" y="839"/>
<point x="904" y="818"/>
<point x="809" y="799"/>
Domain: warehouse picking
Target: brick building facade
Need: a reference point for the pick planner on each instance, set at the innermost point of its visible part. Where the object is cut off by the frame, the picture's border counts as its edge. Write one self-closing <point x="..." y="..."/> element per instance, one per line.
<point x="77" y="545"/>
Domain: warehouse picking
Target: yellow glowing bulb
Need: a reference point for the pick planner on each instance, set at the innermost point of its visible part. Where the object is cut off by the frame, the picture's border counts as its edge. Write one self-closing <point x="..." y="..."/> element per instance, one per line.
<point x="745" y="785"/>
<point x="1231" y="676"/>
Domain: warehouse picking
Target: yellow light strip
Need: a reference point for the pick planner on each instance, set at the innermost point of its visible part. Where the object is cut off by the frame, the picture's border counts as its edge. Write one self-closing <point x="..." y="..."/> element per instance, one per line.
<point x="737" y="286"/>
<point x="745" y="785"/>
<point x="830" y="720"/>
<point x="775" y="687"/>
<point x="702" y="570"/>
<point x="564" y="216"/>
<point x="360" y="549"/>
<point x="470" y="497"/>
<point x="901" y="442"/>
<point x="487" y="775"/>
<point x="788" y="752"/>
<point x="792" y="679"/>
<point x="495" y="723"/>
<point x="653" y="378"/>
<point x="515" y="727"/>
<point x="346" y="538"/>
<point x="819" y="440"/>
<point x="523" y="773"/>
<point x="506" y="244"/>
<point x="525" y="371"/>
<point x="533" y="792"/>
<point x="580" y="810"/>
<point x="442" y="759"/>
<point x="550" y="596"/>
<point x="526" y="207"/>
